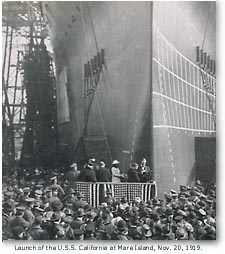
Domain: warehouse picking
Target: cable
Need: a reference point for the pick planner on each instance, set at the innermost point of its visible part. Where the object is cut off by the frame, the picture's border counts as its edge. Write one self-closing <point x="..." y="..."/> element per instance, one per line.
<point x="206" y="26"/>
<point x="94" y="94"/>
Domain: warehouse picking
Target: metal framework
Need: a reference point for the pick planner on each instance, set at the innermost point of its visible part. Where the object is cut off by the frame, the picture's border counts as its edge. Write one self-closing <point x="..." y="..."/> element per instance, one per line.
<point x="13" y="98"/>
<point x="39" y="145"/>
<point x="25" y="87"/>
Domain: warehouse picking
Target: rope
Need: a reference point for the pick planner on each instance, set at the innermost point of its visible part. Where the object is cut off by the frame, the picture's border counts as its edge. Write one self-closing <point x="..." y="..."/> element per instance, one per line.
<point x="206" y="26"/>
<point x="93" y="28"/>
<point x="94" y="94"/>
<point x="97" y="99"/>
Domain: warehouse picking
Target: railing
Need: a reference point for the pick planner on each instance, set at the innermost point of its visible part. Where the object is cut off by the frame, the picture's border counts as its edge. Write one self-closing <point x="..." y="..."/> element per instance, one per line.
<point x="94" y="193"/>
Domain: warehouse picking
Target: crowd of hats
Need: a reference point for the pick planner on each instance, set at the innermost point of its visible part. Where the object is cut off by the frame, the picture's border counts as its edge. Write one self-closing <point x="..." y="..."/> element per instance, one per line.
<point x="39" y="210"/>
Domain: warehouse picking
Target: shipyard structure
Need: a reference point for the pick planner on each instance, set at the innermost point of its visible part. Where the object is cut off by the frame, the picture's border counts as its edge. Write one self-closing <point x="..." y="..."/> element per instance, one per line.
<point x="134" y="80"/>
<point x="112" y="81"/>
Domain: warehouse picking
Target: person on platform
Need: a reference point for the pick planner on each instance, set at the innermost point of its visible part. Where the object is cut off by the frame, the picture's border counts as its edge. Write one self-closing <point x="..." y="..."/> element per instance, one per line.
<point x="95" y="165"/>
<point x="103" y="173"/>
<point x="145" y="173"/>
<point x="115" y="170"/>
<point x="132" y="173"/>
<point x="88" y="174"/>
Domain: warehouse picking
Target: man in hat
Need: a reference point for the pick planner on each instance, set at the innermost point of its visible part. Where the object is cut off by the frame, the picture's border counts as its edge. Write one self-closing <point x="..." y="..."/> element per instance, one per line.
<point x="123" y="204"/>
<point x="7" y="213"/>
<point x="18" y="220"/>
<point x="28" y="214"/>
<point x="25" y="195"/>
<point x="55" y="186"/>
<point x="79" y="203"/>
<point x="70" y="197"/>
<point x="121" y="231"/>
<point x="90" y="231"/>
<point x="109" y="198"/>
<point x="92" y="160"/>
<point x="66" y="223"/>
<point x="145" y="172"/>
<point x="19" y="233"/>
<point x="47" y="196"/>
<point x="38" y="211"/>
<point x="181" y="234"/>
<point x="52" y="224"/>
<point x="115" y="171"/>
<point x="38" y="197"/>
<point x="132" y="173"/>
<point x="78" y="222"/>
<point x="146" y="231"/>
<point x="88" y="173"/>
<point x="107" y="222"/>
<point x="73" y="174"/>
<point x="78" y="234"/>
<point x="167" y="233"/>
<point x="37" y="232"/>
<point x="104" y="174"/>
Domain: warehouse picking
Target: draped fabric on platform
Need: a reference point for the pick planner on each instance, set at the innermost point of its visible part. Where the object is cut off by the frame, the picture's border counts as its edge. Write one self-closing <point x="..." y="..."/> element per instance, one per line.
<point x="91" y="191"/>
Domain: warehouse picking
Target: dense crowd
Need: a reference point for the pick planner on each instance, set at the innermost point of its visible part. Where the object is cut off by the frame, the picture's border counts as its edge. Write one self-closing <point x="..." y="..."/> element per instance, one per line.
<point x="45" y="206"/>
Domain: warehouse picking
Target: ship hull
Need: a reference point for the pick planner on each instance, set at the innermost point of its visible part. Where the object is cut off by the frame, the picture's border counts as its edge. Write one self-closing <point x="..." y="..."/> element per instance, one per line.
<point x="129" y="117"/>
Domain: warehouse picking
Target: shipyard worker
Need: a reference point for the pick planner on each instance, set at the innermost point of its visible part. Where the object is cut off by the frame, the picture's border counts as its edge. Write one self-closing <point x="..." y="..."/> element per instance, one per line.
<point x="115" y="171"/>
<point x="88" y="174"/>
<point x="145" y="173"/>
<point x="132" y="173"/>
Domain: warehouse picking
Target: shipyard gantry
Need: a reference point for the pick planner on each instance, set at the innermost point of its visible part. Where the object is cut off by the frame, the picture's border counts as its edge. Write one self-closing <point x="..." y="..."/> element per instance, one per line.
<point x="29" y="92"/>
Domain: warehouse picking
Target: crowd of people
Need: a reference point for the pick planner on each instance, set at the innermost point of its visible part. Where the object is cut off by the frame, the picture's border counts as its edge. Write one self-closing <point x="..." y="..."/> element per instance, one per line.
<point x="45" y="206"/>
